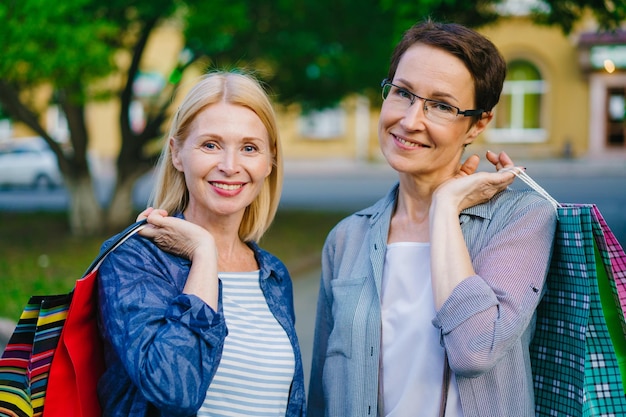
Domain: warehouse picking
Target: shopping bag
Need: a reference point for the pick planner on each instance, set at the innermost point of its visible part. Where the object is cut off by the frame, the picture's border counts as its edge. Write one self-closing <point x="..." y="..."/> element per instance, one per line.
<point x="613" y="256"/>
<point x="573" y="357"/>
<point x="611" y="262"/>
<point x="53" y="360"/>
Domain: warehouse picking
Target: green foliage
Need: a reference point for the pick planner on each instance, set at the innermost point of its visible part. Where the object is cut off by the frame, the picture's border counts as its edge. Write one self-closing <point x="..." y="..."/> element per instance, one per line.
<point x="565" y="13"/>
<point x="63" y="44"/>
<point x="309" y="51"/>
<point x="315" y="52"/>
<point x="472" y="13"/>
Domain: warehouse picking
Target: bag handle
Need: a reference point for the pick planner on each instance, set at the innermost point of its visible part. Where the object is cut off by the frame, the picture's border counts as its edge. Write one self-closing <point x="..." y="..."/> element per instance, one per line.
<point x="122" y="237"/>
<point x="522" y="175"/>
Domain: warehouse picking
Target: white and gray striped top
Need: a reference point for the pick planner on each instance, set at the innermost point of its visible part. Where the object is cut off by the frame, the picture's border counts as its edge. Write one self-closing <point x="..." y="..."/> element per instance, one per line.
<point x="257" y="365"/>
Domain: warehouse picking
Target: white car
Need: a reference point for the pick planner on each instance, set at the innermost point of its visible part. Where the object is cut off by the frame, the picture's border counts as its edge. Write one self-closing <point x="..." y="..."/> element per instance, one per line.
<point x="28" y="163"/>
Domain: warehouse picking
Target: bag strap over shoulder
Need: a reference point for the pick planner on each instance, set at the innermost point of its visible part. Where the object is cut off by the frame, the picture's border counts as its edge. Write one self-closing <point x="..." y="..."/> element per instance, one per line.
<point x="522" y="175"/>
<point x="121" y="238"/>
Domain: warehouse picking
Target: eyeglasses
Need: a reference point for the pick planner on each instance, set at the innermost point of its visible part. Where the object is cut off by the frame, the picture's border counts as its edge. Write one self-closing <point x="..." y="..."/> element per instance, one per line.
<point x="435" y="111"/>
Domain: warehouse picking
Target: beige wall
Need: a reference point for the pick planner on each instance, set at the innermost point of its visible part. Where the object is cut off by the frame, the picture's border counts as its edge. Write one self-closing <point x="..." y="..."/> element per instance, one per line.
<point x="567" y="99"/>
<point x="359" y="140"/>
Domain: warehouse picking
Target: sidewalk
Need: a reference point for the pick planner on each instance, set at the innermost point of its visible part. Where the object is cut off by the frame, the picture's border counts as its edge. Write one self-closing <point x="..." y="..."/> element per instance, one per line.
<point x="609" y="165"/>
<point x="6" y="329"/>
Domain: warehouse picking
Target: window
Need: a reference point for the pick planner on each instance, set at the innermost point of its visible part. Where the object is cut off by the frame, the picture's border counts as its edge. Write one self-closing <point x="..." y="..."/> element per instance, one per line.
<point x="518" y="115"/>
<point x="323" y="124"/>
<point x="520" y="7"/>
<point x="147" y="88"/>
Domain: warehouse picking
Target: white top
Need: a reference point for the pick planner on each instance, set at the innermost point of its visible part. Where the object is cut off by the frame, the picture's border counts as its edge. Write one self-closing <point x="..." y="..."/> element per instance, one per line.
<point x="257" y="366"/>
<point x="412" y="357"/>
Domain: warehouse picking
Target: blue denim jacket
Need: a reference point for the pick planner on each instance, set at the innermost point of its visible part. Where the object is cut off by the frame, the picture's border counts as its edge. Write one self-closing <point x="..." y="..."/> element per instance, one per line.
<point x="162" y="347"/>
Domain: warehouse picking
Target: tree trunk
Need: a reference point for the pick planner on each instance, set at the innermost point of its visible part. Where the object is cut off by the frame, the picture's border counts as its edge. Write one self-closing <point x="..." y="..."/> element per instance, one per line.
<point x="85" y="213"/>
<point x="121" y="211"/>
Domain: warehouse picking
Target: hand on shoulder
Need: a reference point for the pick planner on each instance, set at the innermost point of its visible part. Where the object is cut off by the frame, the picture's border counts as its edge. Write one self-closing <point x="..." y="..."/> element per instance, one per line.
<point x="469" y="188"/>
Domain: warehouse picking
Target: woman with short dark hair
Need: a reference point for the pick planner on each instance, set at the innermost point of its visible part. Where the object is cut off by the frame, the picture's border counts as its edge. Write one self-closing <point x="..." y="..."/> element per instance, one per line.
<point x="448" y="268"/>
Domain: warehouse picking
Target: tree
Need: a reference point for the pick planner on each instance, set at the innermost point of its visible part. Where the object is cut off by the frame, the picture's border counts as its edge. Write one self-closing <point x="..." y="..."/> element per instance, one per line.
<point x="71" y="47"/>
<point x="609" y="14"/>
<point x="312" y="52"/>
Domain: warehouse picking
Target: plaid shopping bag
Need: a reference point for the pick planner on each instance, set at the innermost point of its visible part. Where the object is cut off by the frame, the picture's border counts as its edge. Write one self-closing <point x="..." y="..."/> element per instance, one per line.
<point x="54" y="359"/>
<point x="575" y="368"/>
<point x="612" y="254"/>
<point x="611" y="262"/>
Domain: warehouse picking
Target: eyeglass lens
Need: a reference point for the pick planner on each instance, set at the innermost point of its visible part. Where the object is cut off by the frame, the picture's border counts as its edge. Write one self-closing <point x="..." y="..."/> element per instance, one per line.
<point x="435" y="111"/>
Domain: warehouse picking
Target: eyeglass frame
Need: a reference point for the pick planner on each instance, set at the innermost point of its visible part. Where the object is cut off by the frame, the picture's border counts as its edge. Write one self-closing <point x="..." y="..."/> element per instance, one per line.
<point x="464" y="113"/>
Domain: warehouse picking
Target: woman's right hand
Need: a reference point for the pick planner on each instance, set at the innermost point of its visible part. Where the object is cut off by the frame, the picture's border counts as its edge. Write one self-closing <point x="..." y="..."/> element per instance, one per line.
<point x="174" y="235"/>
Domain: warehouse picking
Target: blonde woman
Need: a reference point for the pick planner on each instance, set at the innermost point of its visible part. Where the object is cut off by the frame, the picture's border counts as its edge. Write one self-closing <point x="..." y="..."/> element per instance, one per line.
<point x="197" y="319"/>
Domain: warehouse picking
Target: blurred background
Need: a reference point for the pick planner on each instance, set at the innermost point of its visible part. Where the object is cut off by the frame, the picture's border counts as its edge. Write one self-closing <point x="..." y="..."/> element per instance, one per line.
<point x="93" y="83"/>
<point x="87" y="89"/>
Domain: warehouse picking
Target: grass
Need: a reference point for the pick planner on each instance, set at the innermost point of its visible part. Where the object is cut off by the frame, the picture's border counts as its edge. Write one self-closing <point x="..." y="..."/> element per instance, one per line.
<point x="39" y="256"/>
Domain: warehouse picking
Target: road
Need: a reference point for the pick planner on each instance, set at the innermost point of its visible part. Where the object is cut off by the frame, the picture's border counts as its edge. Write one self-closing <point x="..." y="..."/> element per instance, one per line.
<point x="348" y="186"/>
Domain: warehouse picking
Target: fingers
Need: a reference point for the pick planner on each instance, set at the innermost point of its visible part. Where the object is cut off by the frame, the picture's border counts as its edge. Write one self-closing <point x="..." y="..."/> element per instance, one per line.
<point x="150" y="210"/>
<point x="470" y="165"/>
<point x="501" y="160"/>
<point x="493" y="158"/>
<point x="505" y="160"/>
<point x="154" y="217"/>
<point x="144" y="214"/>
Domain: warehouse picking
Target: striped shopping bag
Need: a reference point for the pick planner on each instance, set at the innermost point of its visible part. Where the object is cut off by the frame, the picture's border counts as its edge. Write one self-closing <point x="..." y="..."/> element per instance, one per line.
<point x="25" y="364"/>
<point x="54" y="359"/>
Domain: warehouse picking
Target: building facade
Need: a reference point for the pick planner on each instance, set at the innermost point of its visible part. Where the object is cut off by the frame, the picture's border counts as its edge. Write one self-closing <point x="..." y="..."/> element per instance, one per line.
<point x="564" y="97"/>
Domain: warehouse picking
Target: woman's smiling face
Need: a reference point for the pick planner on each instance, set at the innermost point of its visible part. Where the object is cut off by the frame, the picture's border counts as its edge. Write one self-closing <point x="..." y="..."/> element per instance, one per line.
<point x="410" y="142"/>
<point x="225" y="160"/>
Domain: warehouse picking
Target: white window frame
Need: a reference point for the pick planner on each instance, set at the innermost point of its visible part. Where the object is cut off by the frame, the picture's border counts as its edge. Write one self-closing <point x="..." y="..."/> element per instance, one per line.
<point x="6" y="129"/>
<point x="517" y="133"/>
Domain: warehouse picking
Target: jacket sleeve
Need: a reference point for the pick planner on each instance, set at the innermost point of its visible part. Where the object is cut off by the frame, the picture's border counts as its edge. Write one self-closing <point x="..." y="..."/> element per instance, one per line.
<point x="488" y="312"/>
<point x="169" y="343"/>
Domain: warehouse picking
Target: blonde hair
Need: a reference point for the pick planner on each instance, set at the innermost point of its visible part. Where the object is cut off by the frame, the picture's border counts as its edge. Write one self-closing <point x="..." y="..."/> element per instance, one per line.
<point x="170" y="191"/>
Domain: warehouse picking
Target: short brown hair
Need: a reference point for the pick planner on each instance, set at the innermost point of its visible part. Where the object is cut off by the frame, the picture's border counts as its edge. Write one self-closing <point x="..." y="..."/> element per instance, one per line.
<point x="481" y="57"/>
